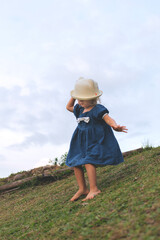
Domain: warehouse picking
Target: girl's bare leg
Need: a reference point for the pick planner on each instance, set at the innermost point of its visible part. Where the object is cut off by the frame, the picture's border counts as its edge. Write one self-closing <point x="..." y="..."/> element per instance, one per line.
<point x="83" y="190"/>
<point x="91" y="172"/>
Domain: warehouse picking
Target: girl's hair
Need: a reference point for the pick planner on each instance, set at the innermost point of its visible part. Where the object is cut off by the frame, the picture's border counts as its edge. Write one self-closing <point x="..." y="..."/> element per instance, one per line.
<point x="95" y="101"/>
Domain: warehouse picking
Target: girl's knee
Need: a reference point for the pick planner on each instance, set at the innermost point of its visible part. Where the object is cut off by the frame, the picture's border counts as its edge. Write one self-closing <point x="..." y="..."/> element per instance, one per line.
<point x="78" y="168"/>
<point x="90" y="165"/>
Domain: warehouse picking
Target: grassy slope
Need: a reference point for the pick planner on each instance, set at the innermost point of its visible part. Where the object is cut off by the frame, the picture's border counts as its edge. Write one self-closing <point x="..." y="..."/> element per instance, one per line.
<point x="127" y="208"/>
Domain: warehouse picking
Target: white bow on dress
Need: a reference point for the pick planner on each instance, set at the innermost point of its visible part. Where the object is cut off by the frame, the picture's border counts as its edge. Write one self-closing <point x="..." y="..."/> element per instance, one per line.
<point x="85" y="119"/>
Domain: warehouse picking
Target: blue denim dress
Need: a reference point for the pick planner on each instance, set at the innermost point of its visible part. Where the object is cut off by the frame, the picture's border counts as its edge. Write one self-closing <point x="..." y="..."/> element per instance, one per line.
<point x="93" y="141"/>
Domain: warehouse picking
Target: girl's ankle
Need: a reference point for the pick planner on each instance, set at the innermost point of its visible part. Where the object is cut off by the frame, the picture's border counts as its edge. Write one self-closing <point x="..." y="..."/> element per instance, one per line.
<point x="83" y="189"/>
<point x="94" y="189"/>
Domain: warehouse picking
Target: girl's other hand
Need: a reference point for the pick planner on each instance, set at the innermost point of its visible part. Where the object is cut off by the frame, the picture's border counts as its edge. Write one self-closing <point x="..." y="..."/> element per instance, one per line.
<point x="119" y="128"/>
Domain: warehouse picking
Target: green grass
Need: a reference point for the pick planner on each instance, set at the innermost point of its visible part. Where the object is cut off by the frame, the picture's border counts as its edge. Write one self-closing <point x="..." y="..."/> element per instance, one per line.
<point x="127" y="208"/>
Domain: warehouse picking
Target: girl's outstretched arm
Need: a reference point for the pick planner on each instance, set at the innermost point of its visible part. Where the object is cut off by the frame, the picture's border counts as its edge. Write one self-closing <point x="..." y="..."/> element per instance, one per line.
<point x="114" y="125"/>
<point x="70" y="104"/>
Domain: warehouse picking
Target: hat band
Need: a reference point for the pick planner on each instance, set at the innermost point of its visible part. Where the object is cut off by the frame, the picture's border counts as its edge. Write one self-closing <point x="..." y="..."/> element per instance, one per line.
<point x="82" y="97"/>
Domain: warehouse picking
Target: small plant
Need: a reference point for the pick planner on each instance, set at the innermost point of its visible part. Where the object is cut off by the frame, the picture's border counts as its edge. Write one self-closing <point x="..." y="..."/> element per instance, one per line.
<point x="53" y="161"/>
<point x="61" y="161"/>
<point x="147" y="145"/>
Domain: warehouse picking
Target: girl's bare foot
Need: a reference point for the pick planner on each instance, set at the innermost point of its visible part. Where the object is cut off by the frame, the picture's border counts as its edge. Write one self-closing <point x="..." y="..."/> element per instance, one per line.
<point x="91" y="195"/>
<point x="78" y="194"/>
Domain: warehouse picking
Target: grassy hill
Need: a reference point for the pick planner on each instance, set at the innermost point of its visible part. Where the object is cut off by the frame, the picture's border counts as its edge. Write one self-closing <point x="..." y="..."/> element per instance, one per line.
<point x="127" y="208"/>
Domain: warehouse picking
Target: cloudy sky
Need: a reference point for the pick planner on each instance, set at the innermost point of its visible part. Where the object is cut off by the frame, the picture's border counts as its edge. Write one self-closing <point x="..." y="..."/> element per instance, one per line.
<point x="45" y="46"/>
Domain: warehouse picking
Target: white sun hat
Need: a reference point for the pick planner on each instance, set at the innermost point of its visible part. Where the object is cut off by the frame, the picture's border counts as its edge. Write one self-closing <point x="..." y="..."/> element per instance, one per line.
<point x="86" y="89"/>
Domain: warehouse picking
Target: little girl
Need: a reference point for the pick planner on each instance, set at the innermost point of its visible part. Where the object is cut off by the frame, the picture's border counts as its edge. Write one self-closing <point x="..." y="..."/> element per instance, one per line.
<point x="93" y="142"/>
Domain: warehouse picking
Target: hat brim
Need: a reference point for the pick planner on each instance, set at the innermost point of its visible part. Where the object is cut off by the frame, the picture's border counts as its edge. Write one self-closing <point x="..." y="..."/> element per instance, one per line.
<point x="85" y="98"/>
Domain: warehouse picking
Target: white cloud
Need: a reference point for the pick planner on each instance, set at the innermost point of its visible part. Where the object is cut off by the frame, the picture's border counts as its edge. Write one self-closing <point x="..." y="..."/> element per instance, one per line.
<point x="9" y="137"/>
<point x="25" y="91"/>
<point x="9" y="81"/>
<point x="78" y="65"/>
<point x="153" y="22"/>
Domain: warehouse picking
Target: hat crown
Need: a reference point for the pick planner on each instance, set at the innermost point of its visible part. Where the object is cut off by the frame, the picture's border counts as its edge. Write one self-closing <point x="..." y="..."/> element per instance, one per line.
<point x="86" y="89"/>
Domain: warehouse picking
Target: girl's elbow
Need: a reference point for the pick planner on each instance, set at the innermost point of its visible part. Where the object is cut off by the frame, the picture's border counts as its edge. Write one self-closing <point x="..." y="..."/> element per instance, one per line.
<point x="68" y="108"/>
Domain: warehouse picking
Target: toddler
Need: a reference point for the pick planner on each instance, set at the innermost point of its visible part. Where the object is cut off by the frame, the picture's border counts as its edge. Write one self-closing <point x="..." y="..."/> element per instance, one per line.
<point x="93" y="142"/>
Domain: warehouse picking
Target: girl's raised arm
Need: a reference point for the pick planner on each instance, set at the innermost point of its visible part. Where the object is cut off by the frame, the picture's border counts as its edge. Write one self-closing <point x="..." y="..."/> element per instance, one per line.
<point x="70" y="104"/>
<point x="114" y="125"/>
